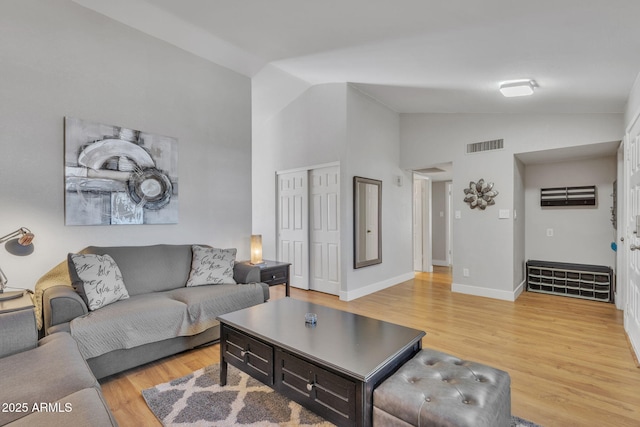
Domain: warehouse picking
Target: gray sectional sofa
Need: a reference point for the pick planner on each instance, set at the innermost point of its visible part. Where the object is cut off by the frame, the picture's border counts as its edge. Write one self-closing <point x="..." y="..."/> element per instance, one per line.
<point x="50" y="385"/>
<point x="161" y="317"/>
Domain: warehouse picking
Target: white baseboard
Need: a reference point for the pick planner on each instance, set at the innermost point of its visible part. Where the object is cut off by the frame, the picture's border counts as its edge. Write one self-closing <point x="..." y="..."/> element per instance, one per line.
<point x="375" y="287"/>
<point x="440" y="263"/>
<point x="455" y="287"/>
<point x="517" y="291"/>
<point x="488" y="292"/>
<point x="633" y="333"/>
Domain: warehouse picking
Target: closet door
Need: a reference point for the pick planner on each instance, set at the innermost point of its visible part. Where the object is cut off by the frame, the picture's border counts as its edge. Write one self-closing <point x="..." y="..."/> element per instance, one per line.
<point x="324" y="228"/>
<point x="631" y="287"/>
<point x="293" y="226"/>
<point x="417" y="224"/>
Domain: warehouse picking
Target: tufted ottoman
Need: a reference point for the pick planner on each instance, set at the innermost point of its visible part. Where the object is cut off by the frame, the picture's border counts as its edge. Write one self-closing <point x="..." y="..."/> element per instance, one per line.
<point x="440" y="390"/>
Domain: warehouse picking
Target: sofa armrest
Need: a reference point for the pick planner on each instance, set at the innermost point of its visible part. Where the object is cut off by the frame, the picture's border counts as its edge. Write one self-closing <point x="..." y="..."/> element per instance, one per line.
<point x="19" y="332"/>
<point x="246" y="273"/>
<point x="61" y="304"/>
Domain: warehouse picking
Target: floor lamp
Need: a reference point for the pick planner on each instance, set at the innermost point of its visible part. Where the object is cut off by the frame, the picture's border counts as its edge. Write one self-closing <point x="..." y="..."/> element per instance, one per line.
<point x="19" y="243"/>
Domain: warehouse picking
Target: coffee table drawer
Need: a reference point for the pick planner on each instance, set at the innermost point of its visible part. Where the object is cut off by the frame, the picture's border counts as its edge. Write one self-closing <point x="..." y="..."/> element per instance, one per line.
<point x="248" y="354"/>
<point x="320" y="390"/>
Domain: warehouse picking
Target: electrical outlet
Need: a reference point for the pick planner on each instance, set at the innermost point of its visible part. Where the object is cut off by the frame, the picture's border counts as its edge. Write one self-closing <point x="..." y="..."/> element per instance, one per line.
<point x="549" y="232"/>
<point x="465" y="272"/>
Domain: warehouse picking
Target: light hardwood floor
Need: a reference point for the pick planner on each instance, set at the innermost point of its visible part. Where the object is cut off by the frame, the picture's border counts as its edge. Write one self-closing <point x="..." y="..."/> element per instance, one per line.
<point x="569" y="360"/>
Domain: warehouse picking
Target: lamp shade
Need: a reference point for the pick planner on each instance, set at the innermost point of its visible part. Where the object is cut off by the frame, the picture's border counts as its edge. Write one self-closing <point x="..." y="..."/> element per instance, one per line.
<point x="19" y="242"/>
<point x="256" y="249"/>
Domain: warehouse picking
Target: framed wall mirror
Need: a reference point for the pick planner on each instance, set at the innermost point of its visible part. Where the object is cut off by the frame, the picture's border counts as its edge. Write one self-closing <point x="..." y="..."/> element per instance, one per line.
<point x="367" y="221"/>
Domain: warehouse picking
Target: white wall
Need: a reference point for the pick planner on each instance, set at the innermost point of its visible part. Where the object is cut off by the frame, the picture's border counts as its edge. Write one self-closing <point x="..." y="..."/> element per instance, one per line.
<point x="59" y="59"/>
<point x="633" y="103"/>
<point x="271" y="91"/>
<point x="581" y="235"/>
<point x="337" y="123"/>
<point x="309" y="131"/>
<point x="373" y="151"/>
<point x="482" y="242"/>
<point x="519" y="216"/>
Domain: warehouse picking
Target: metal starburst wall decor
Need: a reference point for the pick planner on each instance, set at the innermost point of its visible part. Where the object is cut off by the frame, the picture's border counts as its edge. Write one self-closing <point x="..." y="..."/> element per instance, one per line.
<point x="480" y="195"/>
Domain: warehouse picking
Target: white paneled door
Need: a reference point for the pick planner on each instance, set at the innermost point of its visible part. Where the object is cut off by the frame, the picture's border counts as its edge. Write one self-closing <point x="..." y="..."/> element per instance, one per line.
<point x="309" y="227"/>
<point x="324" y="229"/>
<point x="631" y="293"/>
<point x="417" y="224"/>
<point x="293" y="226"/>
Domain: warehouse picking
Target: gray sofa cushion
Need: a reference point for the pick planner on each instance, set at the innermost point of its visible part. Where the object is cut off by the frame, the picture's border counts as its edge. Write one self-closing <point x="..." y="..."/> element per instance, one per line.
<point x="87" y="408"/>
<point x="132" y="322"/>
<point x="55" y="366"/>
<point x="145" y="268"/>
<point x="159" y="316"/>
<point x="214" y="300"/>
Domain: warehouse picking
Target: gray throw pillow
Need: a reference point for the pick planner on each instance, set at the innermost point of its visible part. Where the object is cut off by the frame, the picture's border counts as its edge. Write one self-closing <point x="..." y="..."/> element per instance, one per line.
<point x="97" y="279"/>
<point x="211" y="266"/>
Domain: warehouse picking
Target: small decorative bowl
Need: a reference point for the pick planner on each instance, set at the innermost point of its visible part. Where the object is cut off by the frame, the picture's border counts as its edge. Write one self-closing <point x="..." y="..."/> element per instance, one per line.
<point x="311" y="318"/>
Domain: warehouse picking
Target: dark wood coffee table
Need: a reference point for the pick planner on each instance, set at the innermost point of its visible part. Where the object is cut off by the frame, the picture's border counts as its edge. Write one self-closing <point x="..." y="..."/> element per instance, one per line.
<point x="331" y="368"/>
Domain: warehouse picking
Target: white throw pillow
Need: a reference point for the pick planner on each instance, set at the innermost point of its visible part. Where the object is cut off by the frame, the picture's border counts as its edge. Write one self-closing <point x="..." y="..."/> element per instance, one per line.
<point x="211" y="266"/>
<point x="97" y="279"/>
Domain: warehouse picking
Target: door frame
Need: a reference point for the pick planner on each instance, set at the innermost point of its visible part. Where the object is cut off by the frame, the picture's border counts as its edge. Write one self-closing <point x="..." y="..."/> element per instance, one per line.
<point x="622" y="256"/>
<point x="449" y="221"/>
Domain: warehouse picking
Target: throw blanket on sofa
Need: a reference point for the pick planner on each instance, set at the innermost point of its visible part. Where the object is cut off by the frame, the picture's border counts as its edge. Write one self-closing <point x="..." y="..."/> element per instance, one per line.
<point x="57" y="276"/>
<point x="158" y="316"/>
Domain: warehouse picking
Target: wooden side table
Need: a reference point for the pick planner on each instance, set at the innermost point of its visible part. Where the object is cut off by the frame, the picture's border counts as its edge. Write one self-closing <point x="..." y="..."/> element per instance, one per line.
<point x="18" y="330"/>
<point x="274" y="273"/>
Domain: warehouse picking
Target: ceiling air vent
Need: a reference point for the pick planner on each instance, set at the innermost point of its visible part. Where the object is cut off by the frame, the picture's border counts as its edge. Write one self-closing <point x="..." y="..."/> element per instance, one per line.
<point x="477" y="147"/>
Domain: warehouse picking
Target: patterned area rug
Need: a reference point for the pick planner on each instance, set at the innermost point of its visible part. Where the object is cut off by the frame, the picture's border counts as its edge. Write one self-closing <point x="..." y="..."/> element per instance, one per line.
<point x="198" y="400"/>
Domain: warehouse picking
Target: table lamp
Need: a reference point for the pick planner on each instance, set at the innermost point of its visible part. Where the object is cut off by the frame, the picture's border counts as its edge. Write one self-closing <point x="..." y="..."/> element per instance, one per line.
<point x="256" y="249"/>
<point x="19" y="243"/>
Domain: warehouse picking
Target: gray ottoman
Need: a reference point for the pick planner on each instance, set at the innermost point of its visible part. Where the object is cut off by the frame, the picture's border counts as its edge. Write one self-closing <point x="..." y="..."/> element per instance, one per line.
<point x="440" y="390"/>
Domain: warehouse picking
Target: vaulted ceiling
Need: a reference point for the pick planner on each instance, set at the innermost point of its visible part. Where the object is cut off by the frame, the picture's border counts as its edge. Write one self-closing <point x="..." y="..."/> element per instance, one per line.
<point x="416" y="55"/>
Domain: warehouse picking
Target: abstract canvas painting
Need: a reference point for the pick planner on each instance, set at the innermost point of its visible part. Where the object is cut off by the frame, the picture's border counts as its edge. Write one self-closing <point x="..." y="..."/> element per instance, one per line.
<point x="116" y="175"/>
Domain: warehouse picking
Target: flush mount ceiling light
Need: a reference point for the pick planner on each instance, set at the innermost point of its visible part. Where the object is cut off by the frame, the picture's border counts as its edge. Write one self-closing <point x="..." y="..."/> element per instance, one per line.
<point x="518" y="88"/>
